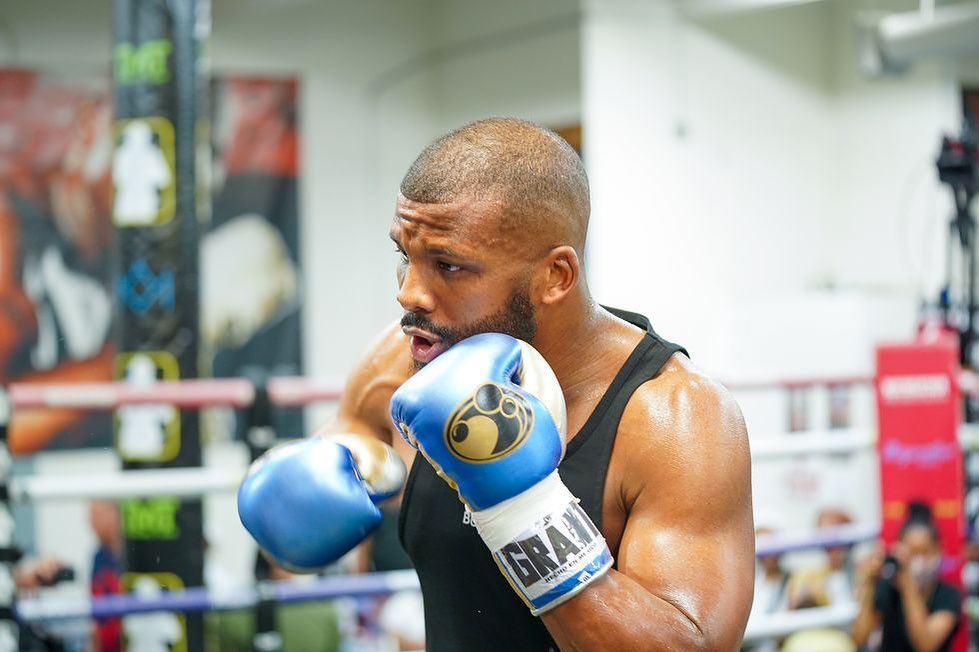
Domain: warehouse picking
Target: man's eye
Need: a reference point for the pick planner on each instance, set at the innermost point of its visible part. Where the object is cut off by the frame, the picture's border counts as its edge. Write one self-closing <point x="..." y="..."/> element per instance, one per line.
<point x="448" y="267"/>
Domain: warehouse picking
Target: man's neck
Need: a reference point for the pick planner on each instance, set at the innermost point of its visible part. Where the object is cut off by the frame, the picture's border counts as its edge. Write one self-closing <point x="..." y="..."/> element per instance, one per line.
<point x="577" y="347"/>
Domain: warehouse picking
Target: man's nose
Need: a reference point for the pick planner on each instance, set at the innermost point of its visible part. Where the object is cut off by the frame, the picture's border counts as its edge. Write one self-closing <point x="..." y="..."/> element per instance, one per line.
<point x="413" y="293"/>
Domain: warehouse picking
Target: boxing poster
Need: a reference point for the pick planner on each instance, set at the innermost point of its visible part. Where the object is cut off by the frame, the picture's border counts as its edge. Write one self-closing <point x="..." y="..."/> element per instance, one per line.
<point x="55" y="235"/>
<point x="919" y="410"/>
<point x="251" y="281"/>
<point x="57" y="286"/>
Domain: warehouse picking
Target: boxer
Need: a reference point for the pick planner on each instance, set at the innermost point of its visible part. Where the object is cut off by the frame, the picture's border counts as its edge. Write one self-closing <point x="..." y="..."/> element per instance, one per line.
<point x="578" y="483"/>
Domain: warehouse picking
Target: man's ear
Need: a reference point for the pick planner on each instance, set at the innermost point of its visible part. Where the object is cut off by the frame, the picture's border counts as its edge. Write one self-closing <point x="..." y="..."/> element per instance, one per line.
<point x="561" y="272"/>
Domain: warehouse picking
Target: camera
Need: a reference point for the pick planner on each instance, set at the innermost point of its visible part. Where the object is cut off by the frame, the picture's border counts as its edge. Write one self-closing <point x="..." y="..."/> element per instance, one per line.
<point x="889" y="568"/>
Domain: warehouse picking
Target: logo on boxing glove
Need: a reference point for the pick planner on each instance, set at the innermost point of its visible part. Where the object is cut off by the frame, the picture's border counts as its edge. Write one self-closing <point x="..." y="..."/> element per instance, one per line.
<point x="492" y="423"/>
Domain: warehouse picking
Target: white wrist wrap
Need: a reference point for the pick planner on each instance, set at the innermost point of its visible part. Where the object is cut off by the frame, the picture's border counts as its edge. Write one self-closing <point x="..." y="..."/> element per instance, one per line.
<point x="544" y="543"/>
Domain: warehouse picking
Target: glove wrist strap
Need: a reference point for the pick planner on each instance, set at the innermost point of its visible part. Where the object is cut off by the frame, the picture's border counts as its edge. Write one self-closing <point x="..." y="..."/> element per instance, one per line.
<point x="544" y="543"/>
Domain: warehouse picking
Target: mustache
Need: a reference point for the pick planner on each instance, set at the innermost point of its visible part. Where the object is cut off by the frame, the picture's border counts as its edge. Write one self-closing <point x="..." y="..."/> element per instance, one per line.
<point x="413" y="320"/>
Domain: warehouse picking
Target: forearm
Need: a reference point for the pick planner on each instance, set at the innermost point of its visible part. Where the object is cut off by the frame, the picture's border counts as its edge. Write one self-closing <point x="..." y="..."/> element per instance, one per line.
<point x="617" y="613"/>
<point x="866" y="618"/>
<point x="915" y="617"/>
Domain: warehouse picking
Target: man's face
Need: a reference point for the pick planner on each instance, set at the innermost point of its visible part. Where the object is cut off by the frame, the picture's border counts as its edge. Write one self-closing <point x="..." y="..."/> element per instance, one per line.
<point x="459" y="274"/>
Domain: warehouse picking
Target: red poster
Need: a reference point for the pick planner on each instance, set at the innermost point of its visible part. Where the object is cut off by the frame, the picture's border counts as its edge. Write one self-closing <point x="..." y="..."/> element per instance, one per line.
<point x="919" y="409"/>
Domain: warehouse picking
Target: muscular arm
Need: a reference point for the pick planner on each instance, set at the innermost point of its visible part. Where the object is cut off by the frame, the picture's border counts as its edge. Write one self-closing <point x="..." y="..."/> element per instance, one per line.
<point x="363" y="408"/>
<point x="684" y="577"/>
<point x="311" y="500"/>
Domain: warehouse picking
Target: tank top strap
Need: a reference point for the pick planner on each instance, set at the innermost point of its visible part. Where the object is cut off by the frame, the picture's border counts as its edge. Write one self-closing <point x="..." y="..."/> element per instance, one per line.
<point x="586" y="459"/>
<point x="645" y="362"/>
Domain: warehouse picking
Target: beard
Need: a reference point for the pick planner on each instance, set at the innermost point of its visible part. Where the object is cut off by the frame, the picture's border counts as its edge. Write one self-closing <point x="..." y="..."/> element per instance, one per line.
<point x="515" y="319"/>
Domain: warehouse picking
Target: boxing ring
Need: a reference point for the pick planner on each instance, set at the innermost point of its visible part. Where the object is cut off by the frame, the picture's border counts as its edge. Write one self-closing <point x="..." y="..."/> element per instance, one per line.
<point x="242" y="394"/>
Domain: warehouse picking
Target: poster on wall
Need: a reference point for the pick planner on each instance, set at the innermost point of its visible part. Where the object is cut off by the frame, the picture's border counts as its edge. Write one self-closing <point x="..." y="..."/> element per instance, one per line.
<point x="250" y="274"/>
<point x="55" y="232"/>
<point x="56" y="241"/>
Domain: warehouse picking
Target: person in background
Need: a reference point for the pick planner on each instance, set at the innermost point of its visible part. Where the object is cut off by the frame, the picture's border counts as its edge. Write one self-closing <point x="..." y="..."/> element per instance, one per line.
<point x="840" y="575"/>
<point x="310" y="626"/>
<point x="833" y="582"/>
<point x="770" y="594"/>
<point x="809" y="591"/>
<point x="819" y="639"/>
<point x="401" y="615"/>
<point x="901" y="592"/>
<point x="107" y="568"/>
<point x="32" y="574"/>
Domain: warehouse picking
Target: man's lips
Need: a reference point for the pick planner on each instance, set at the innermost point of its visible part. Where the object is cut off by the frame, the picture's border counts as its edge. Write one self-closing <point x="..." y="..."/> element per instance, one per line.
<point x="424" y="346"/>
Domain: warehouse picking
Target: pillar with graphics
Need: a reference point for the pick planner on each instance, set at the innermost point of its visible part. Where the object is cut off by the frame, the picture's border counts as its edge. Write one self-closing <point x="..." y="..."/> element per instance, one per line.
<point x="157" y="209"/>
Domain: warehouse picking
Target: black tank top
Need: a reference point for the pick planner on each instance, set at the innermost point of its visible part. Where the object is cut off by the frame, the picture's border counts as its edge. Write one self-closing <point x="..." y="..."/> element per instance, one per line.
<point x="468" y="603"/>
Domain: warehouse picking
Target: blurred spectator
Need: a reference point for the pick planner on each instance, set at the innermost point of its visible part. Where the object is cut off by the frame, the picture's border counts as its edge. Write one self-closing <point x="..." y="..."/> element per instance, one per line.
<point x="830" y="583"/>
<point x="823" y="586"/>
<point x="303" y="626"/>
<point x="106" y="569"/>
<point x="970" y="581"/>
<point x="840" y="577"/>
<point x="807" y="589"/>
<point x="31" y="574"/>
<point x="901" y="592"/>
<point x="770" y="594"/>
<point x="400" y="616"/>
<point x="820" y="639"/>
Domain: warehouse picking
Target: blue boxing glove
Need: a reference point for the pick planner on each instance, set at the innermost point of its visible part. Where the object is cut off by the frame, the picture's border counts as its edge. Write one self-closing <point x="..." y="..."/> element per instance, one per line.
<point x="310" y="501"/>
<point x="489" y="415"/>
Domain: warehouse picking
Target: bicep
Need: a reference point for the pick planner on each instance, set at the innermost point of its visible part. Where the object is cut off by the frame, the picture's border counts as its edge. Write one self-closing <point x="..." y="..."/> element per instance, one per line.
<point x="364" y="402"/>
<point x="689" y="540"/>
<point x="706" y="573"/>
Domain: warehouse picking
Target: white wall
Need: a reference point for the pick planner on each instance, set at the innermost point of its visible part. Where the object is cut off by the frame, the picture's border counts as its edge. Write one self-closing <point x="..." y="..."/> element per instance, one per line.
<point x="508" y="58"/>
<point x="758" y="199"/>
<point x="705" y="145"/>
<point x="888" y="211"/>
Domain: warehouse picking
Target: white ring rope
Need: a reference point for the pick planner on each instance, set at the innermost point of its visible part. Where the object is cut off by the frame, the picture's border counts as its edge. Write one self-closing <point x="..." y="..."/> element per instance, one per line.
<point x="776" y="544"/>
<point x="763" y="383"/>
<point x="813" y="442"/>
<point x="767" y="626"/>
<point x="177" y="482"/>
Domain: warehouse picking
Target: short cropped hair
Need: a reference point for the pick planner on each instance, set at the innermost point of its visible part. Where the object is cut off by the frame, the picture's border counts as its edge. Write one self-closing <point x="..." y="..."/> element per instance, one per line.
<point x="534" y="172"/>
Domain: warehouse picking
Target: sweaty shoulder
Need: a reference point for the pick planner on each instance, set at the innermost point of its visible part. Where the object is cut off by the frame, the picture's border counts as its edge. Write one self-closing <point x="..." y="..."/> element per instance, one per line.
<point x="683" y="422"/>
<point x="372" y="381"/>
<point x="680" y="474"/>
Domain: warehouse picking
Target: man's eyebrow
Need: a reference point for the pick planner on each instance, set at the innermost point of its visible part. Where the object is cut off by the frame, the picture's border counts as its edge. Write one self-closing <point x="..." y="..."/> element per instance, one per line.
<point x="431" y="250"/>
<point x="443" y="251"/>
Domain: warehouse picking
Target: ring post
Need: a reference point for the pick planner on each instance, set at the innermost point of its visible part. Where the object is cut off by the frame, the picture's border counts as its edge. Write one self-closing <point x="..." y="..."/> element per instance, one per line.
<point x="158" y="204"/>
